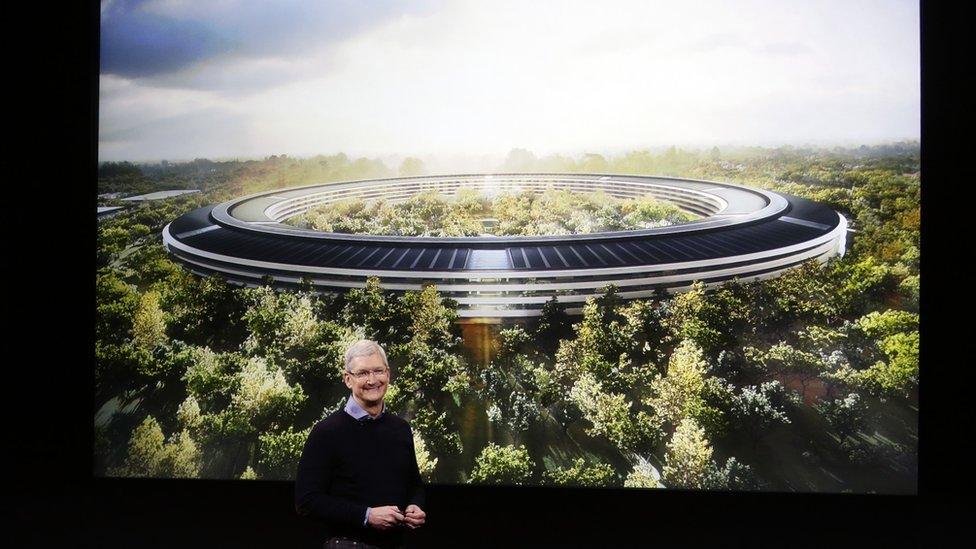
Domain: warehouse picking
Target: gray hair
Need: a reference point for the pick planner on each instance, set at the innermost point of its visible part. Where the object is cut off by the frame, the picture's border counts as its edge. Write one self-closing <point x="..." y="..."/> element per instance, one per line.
<point x="364" y="347"/>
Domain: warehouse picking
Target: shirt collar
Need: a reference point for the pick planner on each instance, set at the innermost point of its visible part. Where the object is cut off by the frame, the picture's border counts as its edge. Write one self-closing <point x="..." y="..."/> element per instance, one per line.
<point x="356" y="411"/>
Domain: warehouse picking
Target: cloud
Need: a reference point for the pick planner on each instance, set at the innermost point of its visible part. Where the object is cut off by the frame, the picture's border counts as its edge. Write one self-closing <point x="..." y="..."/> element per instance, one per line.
<point x="473" y="78"/>
<point x="182" y="136"/>
<point x="174" y="41"/>
<point x="136" y="43"/>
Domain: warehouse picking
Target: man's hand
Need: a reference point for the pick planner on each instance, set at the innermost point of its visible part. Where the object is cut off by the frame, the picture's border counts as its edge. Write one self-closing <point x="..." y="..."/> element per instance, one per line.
<point x="384" y="518"/>
<point x="414" y="517"/>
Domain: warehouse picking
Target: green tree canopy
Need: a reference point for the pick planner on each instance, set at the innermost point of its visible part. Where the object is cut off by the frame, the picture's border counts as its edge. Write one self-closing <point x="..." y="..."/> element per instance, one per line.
<point x="149" y="324"/>
<point x="150" y="455"/>
<point x="280" y="452"/>
<point x="502" y="465"/>
<point x="688" y="461"/>
<point x="412" y="166"/>
<point x="845" y="415"/>
<point x="682" y="392"/>
<point x="582" y="473"/>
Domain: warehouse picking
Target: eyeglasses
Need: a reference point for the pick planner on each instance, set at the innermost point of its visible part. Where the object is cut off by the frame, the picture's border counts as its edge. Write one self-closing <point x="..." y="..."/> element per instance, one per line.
<point x="366" y="373"/>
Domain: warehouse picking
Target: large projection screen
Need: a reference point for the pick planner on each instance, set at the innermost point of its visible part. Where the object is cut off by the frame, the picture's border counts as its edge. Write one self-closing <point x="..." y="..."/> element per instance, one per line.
<point x="650" y="246"/>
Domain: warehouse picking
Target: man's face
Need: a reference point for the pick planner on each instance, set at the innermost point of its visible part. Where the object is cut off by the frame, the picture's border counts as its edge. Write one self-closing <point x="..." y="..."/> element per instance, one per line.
<point x="371" y="388"/>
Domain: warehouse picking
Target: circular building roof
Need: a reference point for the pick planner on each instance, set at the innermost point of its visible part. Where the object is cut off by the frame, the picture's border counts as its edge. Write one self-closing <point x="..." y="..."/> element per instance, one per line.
<point x="744" y="233"/>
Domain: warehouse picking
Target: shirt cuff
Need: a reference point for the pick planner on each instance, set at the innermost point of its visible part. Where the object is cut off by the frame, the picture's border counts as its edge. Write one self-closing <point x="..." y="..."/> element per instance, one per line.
<point x="366" y="518"/>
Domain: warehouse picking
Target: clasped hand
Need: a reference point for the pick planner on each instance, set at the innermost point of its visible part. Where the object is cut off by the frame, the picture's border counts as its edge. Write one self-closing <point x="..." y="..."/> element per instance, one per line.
<point x="389" y="516"/>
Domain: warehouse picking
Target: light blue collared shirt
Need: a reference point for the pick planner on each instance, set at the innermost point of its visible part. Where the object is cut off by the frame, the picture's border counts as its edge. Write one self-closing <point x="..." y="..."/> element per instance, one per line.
<point x="356" y="411"/>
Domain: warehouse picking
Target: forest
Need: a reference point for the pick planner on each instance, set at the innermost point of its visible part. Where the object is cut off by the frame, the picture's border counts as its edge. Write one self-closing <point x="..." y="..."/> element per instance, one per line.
<point x="806" y="382"/>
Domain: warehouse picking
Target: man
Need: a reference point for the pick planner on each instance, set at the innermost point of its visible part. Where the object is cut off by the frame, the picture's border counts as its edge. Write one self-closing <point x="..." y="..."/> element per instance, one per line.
<point x="358" y="472"/>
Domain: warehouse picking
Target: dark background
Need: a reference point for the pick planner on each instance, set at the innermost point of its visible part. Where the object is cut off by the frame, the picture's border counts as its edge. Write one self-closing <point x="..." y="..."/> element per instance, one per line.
<point x="48" y="244"/>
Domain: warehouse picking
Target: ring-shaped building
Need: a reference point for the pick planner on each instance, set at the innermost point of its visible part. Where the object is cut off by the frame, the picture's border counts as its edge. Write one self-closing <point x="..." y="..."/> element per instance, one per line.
<point x="745" y="233"/>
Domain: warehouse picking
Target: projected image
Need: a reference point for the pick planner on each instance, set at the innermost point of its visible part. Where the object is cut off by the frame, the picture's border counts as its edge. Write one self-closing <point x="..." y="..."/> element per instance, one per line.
<point x="654" y="247"/>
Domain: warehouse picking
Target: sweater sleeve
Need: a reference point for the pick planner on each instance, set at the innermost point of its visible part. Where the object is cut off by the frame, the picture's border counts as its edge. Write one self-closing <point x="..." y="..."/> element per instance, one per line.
<point x="314" y="479"/>
<point x="416" y="483"/>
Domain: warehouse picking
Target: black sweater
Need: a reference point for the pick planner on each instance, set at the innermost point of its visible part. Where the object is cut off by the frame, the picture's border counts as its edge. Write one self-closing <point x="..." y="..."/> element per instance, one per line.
<point x="348" y="465"/>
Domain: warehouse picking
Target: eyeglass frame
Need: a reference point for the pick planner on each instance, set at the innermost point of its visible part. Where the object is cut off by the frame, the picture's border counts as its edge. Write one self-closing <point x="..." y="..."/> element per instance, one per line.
<point x="364" y="375"/>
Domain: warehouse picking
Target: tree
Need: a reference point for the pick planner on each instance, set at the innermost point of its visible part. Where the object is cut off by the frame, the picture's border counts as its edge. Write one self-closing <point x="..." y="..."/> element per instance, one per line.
<point x="316" y="360"/>
<point x="863" y="283"/>
<point x="412" y="166"/>
<point x="372" y="309"/>
<point x="146" y="445"/>
<point x="150" y="455"/>
<point x="188" y="413"/>
<point x="807" y="292"/>
<point x="519" y="160"/>
<point x="909" y="288"/>
<point x="263" y="396"/>
<point x="594" y="163"/>
<point x="151" y="264"/>
<point x="432" y="318"/>
<point x="825" y="293"/>
<point x="280" y="452"/>
<point x="204" y="311"/>
<point x="110" y="242"/>
<point x="182" y="456"/>
<point x="608" y="304"/>
<point x="210" y="378"/>
<point x="582" y="473"/>
<point x="553" y="326"/>
<point x="643" y="475"/>
<point x="897" y="376"/>
<point x="785" y="359"/>
<point x="425" y="374"/>
<point x="681" y="393"/>
<point x="757" y="408"/>
<point x="733" y="476"/>
<point x="711" y="320"/>
<point x="285" y="328"/>
<point x="254" y="400"/>
<point x="519" y="412"/>
<point x="158" y="383"/>
<point x="688" y="461"/>
<point x="845" y="415"/>
<point x="502" y="465"/>
<point x="510" y="384"/>
<point x="117" y="372"/>
<point x="428" y="364"/>
<point x="598" y="348"/>
<point x="277" y="320"/>
<point x="888" y="323"/>
<point x="438" y="431"/>
<point x="610" y="415"/>
<point x="117" y="303"/>
<point x="886" y="348"/>
<point x="425" y="463"/>
<point x="644" y="329"/>
<point x="149" y="325"/>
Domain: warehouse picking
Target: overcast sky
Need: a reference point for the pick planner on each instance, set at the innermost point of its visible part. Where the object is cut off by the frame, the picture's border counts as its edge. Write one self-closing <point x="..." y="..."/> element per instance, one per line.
<point x="234" y="79"/>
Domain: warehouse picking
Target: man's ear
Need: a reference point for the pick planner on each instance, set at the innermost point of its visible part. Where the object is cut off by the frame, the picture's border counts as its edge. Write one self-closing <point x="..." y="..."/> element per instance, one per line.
<point x="347" y="379"/>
